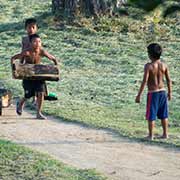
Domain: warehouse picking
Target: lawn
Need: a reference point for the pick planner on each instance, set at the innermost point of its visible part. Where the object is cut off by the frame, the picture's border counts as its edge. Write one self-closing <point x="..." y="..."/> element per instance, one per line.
<point x="20" y="163"/>
<point x="101" y="66"/>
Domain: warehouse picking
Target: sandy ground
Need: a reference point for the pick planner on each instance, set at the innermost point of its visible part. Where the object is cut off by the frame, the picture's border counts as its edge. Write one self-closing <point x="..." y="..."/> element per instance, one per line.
<point x="81" y="147"/>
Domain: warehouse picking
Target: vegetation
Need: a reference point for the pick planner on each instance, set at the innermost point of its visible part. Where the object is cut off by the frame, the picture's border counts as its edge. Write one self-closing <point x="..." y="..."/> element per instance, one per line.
<point x="101" y="64"/>
<point x="17" y="162"/>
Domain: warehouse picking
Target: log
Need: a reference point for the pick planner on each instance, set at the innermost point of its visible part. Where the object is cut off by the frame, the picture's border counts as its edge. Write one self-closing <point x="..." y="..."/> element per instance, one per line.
<point x="35" y="72"/>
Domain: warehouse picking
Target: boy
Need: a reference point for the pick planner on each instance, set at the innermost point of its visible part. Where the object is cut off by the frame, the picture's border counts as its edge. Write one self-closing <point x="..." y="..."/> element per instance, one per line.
<point x="33" y="56"/>
<point x="154" y="73"/>
<point x="31" y="27"/>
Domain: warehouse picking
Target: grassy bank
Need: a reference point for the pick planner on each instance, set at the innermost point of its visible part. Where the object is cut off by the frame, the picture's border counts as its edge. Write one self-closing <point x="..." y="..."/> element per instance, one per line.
<point x="20" y="163"/>
<point x="101" y="66"/>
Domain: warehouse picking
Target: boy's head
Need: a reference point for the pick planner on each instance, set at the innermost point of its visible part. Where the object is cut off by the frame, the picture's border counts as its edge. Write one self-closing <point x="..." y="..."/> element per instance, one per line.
<point x="31" y="26"/>
<point x="35" y="41"/>
<point x="154" y="51"/>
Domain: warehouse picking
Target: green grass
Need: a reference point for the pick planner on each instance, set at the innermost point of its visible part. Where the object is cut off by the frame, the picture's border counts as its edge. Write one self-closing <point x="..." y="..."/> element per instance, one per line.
<point x="20" y="163"/>
<point x="101" y="67"/>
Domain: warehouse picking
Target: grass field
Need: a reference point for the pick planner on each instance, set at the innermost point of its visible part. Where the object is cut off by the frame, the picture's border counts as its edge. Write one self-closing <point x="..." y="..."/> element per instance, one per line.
<point x="17" y="162"/>
<point x="101" y="66"/>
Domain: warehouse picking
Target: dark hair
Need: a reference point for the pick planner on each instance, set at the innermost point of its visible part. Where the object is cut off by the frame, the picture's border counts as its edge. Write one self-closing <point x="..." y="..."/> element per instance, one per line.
<point x="30" y="21"/>
<point x="33" y="36"/>
<point x="154" y="50"/>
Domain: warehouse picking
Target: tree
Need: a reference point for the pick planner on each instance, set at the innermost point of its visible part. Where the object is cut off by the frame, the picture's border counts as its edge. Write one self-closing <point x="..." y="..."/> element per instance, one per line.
<point x="64" y="8"/>
<point x="69" y="8"/>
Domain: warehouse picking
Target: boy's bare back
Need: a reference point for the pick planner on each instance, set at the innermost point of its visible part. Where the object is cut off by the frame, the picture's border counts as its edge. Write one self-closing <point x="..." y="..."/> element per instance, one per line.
<point x="156" y="72"/>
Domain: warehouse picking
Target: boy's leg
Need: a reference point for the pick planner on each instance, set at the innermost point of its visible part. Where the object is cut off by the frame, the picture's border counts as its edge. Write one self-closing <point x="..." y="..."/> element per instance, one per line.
<point x="34" y="100"/>
<point x="164" y="123"/>
<point x="28" y="93"/>
<point x="45" y="89"/>
<point x="40" y="99"/>
<point x="20" y="105"/>
<point x="151" y="125"/>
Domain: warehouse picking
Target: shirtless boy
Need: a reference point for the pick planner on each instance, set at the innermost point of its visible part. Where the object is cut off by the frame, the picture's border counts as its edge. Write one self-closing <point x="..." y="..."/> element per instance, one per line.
<point x="31" y="27"/>
<point x="33" y="55"/>
<point x="157" y="105"/>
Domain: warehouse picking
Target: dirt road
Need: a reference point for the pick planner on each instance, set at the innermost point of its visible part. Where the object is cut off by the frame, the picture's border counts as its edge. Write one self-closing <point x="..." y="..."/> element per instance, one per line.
<point x="117" y="158"/>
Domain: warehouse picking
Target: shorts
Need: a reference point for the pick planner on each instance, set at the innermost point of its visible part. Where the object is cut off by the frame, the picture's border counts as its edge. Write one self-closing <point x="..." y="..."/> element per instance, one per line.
<point x="157" y="105"/>
<point x="33" y="86"/>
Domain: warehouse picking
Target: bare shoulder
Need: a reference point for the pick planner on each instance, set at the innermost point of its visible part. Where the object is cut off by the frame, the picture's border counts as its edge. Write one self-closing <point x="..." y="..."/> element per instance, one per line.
<point x="147" y="66"/>
<point x="163" y="64"/>
<point x="26" y="52"/>
<point x="42" y="52"/>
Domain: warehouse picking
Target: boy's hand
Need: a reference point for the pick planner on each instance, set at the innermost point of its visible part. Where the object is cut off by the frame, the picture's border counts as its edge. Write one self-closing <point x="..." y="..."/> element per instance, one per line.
<point x="137" y="100"/>
<point x="169" y="96"/>
<point x="55" y="62"/>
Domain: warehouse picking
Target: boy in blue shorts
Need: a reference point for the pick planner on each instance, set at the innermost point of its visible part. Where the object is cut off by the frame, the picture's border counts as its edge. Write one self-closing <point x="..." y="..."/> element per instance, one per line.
<point x="157" y="99"/>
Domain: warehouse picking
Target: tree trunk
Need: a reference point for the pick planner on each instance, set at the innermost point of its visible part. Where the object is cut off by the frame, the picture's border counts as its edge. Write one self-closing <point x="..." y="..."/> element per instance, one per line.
<point x="69" y="8"/>
<point x="57" y="6"/>
<point x="64" y="8"/>
<point x="94" y="7"/>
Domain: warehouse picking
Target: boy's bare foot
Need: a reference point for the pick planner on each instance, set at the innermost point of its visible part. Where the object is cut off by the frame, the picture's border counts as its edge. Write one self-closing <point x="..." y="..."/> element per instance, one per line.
<point x="149" y="138"/>
<point x="164" y="136"/>
<point x="18" y="109"/>
<point x="40" y="116"/>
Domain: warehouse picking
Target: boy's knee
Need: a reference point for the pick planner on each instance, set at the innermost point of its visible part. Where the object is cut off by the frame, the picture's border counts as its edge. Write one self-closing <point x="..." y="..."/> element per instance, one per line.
<point x="40" y="94"/>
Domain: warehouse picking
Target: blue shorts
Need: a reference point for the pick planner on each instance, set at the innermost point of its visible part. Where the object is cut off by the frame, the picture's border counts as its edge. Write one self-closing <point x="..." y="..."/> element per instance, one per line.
<point x="157" y="105"/>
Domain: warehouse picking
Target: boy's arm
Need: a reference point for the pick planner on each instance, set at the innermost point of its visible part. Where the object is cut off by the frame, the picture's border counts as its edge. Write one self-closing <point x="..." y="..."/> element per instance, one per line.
<point x="17" y="56"/>
<point x="50" y="57"/>
<point x="169" y="83"/>
<point x="145" y="79"/>
<point x="22" y="44"/>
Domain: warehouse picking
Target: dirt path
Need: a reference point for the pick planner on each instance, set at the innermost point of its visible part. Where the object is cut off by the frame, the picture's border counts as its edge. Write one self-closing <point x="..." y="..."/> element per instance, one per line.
<point x="117" y="158"/>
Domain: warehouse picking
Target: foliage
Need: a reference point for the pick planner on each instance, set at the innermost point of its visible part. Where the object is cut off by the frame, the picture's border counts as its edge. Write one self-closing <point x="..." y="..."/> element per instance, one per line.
<point x="169" y="6"/>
